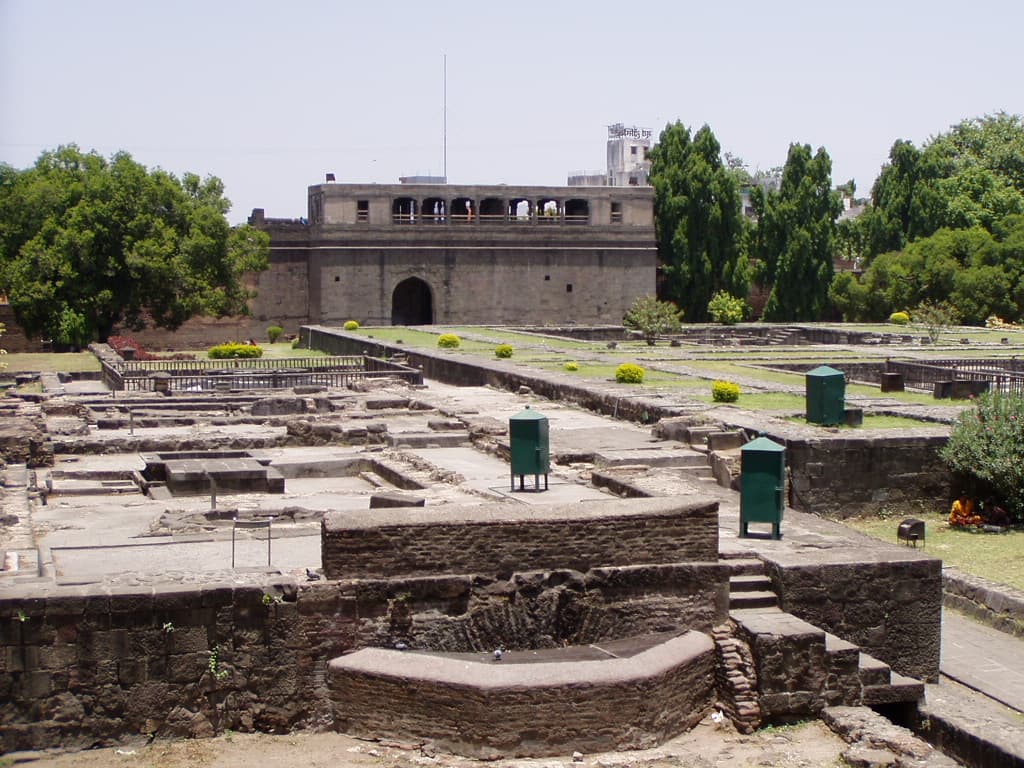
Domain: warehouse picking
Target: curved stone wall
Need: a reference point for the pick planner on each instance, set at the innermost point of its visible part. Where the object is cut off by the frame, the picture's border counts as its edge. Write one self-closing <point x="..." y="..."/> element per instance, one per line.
<point x="490" y="710"/>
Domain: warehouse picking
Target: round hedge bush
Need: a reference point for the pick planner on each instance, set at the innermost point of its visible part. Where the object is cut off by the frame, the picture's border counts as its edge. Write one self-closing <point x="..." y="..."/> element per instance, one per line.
<point x="725" y="392"/>
<point x="233" y="350"/>
<point x="572" y="365"/>
<point x="448" y="341"/>
<point x="504" y="351"/>
<point x="351" y="325"/>
<point x="274" y="333"/>
<point x="628" y="373"/>
<point x="899" y="318"/>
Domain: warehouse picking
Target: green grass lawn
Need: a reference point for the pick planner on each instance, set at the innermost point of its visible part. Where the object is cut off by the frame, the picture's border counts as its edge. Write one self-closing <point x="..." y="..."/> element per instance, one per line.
<point x="993" y="556"/>
<point x="69" y="362"/>
<point x="875" y="422"/>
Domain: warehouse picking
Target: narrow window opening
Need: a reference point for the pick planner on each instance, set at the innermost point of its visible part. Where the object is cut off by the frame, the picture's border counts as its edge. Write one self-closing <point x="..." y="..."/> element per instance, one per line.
<point x="337" y="278"/>
<point x="616" y="213"/>
<point x="568" y="287"/>
<point x="547" y="277"/>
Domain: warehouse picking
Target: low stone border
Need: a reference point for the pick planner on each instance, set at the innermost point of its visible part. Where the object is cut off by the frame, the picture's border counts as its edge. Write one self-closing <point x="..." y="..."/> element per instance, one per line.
<point x="997" y="605"/>
<point x="493" y="710"/>
<point x="874" y="740"/>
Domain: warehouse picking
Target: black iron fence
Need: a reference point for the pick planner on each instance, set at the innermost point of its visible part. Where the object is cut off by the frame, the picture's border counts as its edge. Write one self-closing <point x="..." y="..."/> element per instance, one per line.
<point x="1005" y="375"/>
<point x="257" y="373"/>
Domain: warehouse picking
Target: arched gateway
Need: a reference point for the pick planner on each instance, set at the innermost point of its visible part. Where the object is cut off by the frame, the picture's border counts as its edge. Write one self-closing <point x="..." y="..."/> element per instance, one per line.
<point x="411" y="303"/>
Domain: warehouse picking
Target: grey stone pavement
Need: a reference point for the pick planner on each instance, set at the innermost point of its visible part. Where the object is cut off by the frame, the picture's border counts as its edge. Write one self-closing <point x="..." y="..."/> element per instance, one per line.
<point x="984" y="659"/>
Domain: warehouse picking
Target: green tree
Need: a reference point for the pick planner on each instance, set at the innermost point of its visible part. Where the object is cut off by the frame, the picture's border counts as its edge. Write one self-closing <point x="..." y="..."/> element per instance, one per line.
<point x="88" y="244"/>
<point x="652" y="317"/>
<point x="980" y="272"/>
<point x="795" y="236"/>
<point x="972" y="175"/>
<point x="700" y="228"/>
<point x="936" y="318"/>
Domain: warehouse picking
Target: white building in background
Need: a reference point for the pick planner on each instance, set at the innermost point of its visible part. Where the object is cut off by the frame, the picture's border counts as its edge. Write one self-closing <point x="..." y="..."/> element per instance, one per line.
<point x="628" y="163"/>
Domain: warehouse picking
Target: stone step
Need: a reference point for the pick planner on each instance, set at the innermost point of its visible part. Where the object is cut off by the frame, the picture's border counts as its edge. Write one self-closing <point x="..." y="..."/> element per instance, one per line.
<point x="652" y="457"/>
<point x="750" y="583"/>
<point x="899" y="689"/>
<point x="426" y="439"/>
<point x="872" y="671"/>
<point x="757" y="599"/>
<point x="742" y="565"/>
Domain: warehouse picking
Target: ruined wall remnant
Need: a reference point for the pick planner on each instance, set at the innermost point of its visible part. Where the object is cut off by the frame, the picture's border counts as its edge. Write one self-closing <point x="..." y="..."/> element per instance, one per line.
<point x="890" y="607"/>
<point x="498" y="539"/>
<point x="850" y="476"/>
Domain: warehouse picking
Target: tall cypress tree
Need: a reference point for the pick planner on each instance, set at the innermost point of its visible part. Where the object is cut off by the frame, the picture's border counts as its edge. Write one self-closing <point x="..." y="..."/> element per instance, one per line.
<point x="796" y="234"/>
<point x="698" y="220"/>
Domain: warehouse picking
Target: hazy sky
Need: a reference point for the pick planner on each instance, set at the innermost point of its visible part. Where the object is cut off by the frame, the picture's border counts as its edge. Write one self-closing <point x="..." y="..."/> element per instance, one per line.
<point x="271" y="95"/>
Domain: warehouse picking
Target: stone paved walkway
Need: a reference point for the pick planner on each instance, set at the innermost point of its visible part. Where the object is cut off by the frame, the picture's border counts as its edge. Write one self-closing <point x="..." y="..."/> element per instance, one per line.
<point x="983" y="658"/>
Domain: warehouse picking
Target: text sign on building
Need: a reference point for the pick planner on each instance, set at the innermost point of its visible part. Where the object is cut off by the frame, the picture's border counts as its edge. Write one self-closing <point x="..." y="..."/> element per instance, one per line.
<point x="620" y="131"/>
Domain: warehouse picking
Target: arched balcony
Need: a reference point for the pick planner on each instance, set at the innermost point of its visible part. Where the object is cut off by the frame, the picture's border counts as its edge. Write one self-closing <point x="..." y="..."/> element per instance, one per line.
<point x="462" y="210"/>
<point x="577" y="212"/>
<point x="403" y="210"/>
<point x="435" y="210"/>
<point x="492" y="210"/>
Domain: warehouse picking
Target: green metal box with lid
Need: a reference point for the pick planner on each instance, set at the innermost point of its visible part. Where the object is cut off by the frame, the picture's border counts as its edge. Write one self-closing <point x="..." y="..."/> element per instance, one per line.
<point x="528" y="442"/>
<point x="825" y="396"/>
<point x="762" y="485"/>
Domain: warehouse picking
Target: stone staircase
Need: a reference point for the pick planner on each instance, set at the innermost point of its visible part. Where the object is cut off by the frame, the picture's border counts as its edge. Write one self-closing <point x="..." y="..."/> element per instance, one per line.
<point x="784" y="336"/>
<point x="775" y="667"/>
<point x="749" y="585"/>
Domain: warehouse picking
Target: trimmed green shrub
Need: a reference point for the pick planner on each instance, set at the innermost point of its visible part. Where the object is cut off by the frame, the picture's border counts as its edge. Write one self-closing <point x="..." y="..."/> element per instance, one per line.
<point x="726" y="309"/>
<point x="503" y="351"/>
<point x="233" y="350"/>
<point x="351" y="325"/>
<point x="899" y="318"/>
<point x="448" y="341"/>
<point x="628" y="373"/>
<point x="274" y="333"/>
<point x="572" y="365"/>
<point x="725" y="392"/>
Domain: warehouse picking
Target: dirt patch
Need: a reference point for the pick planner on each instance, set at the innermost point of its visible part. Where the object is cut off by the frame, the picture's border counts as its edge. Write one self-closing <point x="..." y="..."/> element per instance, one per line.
<point x="809" y="745"/>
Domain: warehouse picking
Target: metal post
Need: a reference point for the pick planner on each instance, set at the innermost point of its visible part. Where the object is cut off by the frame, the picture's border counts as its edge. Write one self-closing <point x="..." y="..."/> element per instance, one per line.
<point x="131" y="422"/>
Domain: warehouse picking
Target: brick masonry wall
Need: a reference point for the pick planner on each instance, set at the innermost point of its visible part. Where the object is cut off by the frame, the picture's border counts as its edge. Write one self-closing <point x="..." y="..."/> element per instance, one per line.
<point x="891" y="609"/>
<point x="527" y="710"/>
<point x="496" y="540"/>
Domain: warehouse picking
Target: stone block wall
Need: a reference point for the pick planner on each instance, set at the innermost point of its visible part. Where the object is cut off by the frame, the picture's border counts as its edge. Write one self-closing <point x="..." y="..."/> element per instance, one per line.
<point x="500" y="539"/>
<point x="81" y="666"/>
<point x="892" y="609"/>
<point x="491" y="710"/>
<point x="852" y="476"/>
<point x="85" y="665"/>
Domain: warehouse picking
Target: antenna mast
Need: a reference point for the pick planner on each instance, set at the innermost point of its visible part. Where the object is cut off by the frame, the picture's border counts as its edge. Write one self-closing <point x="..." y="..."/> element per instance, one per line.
<point x="444" y="117"/>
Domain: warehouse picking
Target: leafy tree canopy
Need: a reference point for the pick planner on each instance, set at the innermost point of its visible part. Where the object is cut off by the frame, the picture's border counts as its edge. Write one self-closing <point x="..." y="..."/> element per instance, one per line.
<point x="978" y="271"/>
<point x="795" y="236"/>
<point x="88" y="243"/>
<point x="699" y="225"/>
<point x="972" y="175"/>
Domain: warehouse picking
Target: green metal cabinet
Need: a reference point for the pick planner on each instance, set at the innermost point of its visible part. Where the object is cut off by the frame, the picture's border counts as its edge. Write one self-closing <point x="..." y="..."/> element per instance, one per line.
<point x="826" y="396"/>
<point x="528" y="440"/>
<point x="762" y="484"/>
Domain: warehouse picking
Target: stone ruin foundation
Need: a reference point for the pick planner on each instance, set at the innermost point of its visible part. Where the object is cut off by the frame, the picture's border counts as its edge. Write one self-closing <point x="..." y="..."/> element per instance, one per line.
<point x="618" y="607"/>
